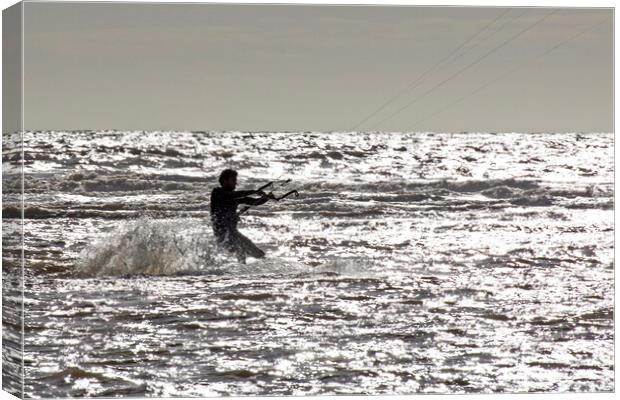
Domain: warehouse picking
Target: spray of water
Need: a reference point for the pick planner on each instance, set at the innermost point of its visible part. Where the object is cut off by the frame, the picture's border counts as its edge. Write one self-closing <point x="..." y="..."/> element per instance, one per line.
<point x="170" y="247"/>
<point x="150" y="247"/>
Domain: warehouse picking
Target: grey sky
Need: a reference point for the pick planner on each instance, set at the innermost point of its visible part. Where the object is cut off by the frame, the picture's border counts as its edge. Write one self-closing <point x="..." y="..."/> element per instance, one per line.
<point x="325" y="68"/>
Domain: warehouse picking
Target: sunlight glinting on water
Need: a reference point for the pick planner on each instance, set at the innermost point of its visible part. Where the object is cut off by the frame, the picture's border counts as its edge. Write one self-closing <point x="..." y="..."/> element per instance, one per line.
<point x="410" y="263"/>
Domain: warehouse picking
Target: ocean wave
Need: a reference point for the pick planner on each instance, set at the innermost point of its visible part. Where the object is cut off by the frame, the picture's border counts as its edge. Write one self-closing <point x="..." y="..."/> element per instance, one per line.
<point x="455" y="186"/>
<point x="37" y="212"/>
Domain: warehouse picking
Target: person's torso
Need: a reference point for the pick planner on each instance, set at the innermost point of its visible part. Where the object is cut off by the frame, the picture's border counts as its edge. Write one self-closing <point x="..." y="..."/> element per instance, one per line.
<point x="223" y="209"/>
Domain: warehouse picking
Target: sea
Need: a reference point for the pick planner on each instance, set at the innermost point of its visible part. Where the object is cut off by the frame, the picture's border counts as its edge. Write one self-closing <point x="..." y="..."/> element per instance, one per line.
<point x="412" y="262"/>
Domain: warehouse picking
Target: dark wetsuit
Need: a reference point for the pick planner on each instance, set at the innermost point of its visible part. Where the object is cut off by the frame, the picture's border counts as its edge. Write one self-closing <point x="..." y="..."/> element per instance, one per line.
<point x="224" y="220"/>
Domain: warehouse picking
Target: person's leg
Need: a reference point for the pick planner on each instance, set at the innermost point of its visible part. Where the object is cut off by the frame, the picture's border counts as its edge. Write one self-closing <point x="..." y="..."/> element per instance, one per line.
<point x="234" y="245"/>
<point x="228" y="242"/>
<point x="248" y="247"/>
<point x="238" y="244"/>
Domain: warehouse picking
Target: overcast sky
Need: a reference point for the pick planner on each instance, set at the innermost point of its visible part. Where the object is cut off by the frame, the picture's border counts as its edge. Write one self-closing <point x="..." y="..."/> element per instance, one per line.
<point x="323" y="68"/>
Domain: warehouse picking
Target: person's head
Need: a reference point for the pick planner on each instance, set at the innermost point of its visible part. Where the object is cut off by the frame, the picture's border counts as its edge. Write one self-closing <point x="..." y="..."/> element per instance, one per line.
<point x="228" y="179"/>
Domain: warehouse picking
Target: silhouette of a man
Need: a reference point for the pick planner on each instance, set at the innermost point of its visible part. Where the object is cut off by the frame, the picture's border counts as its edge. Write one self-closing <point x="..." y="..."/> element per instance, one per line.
<point x="224" y="218"/>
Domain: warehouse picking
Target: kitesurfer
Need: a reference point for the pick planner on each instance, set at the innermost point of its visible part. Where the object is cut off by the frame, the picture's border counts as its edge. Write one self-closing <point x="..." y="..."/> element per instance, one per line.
<point x="224" y="216"/>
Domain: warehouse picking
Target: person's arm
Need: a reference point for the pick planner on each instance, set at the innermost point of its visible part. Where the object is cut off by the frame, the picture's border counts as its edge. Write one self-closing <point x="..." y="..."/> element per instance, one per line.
<point x="251" y="201"/>
<point x="242" y="193"/>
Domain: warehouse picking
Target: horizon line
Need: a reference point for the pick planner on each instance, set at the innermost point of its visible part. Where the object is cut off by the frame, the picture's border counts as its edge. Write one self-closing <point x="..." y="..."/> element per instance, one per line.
<point x="299" y="131"/>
